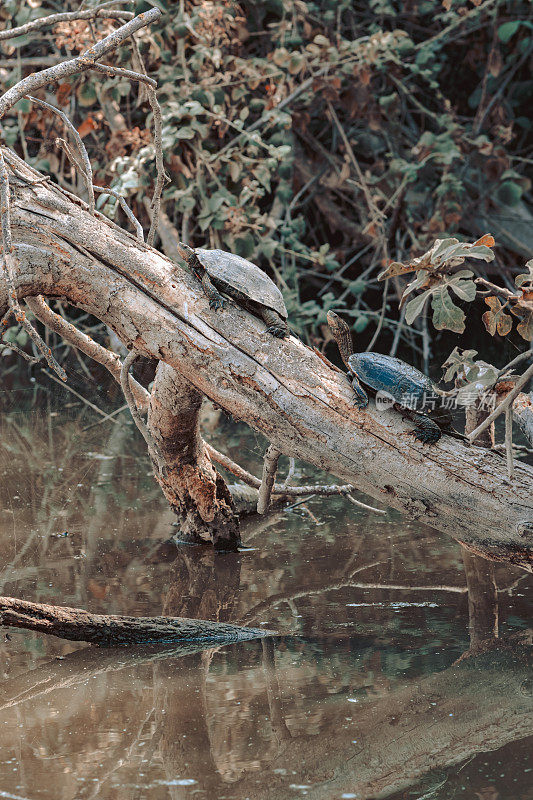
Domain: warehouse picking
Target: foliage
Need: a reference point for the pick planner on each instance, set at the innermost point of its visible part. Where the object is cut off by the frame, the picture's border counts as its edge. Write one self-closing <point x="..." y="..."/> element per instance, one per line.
<point x="320" y="138"/>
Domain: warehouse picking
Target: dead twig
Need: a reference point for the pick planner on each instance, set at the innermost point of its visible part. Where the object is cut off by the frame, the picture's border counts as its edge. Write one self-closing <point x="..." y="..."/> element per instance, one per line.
<point x="517" y="360"/>
<point x="109" y="360"/>
<point x="126" y="209"/>
<point x="153" y="448"/>
<point x="87" y="169"/>
<point x="362" y="505"/>
<point x="375" y="213"/>
<point x="67" y="16"/>
<point x="509" y="440"/>
<point x="270" y="467"/>
<point x="79" y="396"/>
<point x="119" y="72"/>
<point x="155" y="205"/>
<point x="456" y="23"/>
<point x="81" y="63"/>
<point x="18" y="351"/>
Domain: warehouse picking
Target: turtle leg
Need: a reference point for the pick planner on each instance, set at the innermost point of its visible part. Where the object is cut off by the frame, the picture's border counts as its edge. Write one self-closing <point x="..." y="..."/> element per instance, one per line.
<point x="361" y="397"/>
<point x="215" y="298"/>
<point x="425" y="428"/>
<point x="275" y="324"/>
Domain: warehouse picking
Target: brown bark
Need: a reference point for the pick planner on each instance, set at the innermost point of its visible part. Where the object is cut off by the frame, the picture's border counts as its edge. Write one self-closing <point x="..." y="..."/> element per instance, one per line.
<point x="283" y="389"/>
<point x="78" y="625"/>
<point x="195" y="491"/>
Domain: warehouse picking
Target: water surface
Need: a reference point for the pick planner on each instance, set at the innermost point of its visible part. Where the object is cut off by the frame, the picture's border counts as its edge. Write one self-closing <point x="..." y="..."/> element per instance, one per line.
<point x="366" y="693"/>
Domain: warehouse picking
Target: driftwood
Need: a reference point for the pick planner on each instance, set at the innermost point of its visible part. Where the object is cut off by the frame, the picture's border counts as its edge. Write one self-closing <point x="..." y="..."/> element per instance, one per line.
<point x="114" y="631"/>
<point x="283" y="389"/>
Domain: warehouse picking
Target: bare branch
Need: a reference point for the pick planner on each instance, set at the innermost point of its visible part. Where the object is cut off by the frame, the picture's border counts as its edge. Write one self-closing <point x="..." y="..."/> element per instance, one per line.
<point x="67" y="16"/>
<point x="375" y="213"/>
<point x="118" y="72"/>
<point x="82" y="342"/>
<point x="10" y="346"/>
<point x="363" y="505"/>
<point x="81" y="397"/>
<point x="517" y="360"/>
<point x="160" y="181"/>
<point x="126" y="209"/>
<point x="270" y="467"/>
<point x="87" y="169"/>
<point x="71" y="155"/>
<point x="153" y="448"/>
<point x="509" y="440"/>
<point x="81" y="63"/>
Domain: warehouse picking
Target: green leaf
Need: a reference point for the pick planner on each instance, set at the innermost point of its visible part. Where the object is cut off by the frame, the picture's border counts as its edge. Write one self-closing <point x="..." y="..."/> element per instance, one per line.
<point x="446" y="315"/>
<point x="525" y="277"/>
<point x="509" y="193"/>
<point x="463" y="288"/>
<point x="458" y="362"/>
<point x="508" y="30"/>
<point x="414" y="307"/>
<point x="245" y="245"/>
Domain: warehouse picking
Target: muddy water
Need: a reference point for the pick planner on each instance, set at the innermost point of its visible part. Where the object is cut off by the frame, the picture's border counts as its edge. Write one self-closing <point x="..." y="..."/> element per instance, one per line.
<point x="365" y="694"/>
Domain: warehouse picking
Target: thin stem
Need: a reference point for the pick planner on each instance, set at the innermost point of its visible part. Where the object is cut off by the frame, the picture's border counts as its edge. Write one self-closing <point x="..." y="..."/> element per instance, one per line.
<point x="509" y="440"/>
<point x="87" y="169"/>
<point x="67" y="16"/>
<point x="153" y="448"/>
<point x="81" y="63"/>
<point x="158" y="145"/>
<point x="126" y="209"/>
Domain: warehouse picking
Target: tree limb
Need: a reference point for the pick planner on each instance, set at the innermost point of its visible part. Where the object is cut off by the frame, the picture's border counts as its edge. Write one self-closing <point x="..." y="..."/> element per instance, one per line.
<point x="281" y="388"/>
<point x="81" y="63"/>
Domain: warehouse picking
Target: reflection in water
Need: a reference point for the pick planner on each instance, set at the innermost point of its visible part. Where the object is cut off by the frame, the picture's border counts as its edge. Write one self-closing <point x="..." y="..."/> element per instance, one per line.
<point x="372" y="696"/>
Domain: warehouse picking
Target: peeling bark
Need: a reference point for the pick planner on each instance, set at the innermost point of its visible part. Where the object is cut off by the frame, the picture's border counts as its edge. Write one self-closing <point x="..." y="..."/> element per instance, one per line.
<point x="283" y="389"/>
<point x="195" y="491"/>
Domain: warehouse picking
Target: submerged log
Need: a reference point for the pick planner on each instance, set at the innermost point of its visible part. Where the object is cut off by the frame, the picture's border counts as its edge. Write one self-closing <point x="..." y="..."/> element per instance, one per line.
<point x="106" y="630"/>
<point x="283" y="389"/>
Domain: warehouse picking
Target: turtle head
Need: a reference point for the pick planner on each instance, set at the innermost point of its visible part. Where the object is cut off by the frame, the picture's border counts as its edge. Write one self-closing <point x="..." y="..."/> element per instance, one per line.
<point x="341" y="333"/>
<point x="189" y="256"/>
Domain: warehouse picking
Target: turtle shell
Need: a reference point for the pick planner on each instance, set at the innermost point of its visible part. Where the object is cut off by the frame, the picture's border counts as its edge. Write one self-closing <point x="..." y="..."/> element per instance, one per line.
<point x="244" y="277"/>
<point x="389" y="374"/>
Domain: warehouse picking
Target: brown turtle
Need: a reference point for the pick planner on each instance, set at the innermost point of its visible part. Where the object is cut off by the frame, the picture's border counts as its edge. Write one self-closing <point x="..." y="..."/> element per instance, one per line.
<point x="238" y="278"/>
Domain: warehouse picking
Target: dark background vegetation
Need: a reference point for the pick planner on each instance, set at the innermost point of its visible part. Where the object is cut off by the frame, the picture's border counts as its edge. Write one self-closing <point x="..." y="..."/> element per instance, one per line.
<point x="379" y="127"/>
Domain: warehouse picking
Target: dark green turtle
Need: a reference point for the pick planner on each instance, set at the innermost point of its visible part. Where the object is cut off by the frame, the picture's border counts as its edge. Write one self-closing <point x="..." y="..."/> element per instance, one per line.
<point x="219" y="271"/>
<point x="409" y="389"/>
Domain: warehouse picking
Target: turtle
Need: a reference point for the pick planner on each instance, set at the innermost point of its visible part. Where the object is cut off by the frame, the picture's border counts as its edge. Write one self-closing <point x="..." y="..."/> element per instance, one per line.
<point x="381" y="373"/>
<point x="241" y="280"/>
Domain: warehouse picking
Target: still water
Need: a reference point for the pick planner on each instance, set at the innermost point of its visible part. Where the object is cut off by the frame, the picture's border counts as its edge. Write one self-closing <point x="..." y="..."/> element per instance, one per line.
<point x="365" y="694"/>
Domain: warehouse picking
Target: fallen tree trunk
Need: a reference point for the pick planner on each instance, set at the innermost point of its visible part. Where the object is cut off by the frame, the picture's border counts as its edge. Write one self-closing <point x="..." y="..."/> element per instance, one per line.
<point x="283" y="389"/>
<point x="106" y="630"/>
